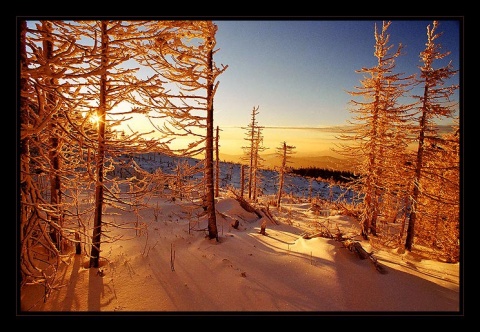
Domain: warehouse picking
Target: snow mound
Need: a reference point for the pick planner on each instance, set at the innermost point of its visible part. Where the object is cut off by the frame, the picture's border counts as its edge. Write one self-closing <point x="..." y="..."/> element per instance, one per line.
<point x="230" y="207"/>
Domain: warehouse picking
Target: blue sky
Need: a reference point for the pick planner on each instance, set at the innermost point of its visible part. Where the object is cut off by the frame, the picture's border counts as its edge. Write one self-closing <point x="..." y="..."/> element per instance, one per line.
<point x="298" y="71"/>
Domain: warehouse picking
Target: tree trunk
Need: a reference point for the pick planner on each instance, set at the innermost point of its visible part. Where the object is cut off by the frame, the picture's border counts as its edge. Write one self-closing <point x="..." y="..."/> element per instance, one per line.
<point x="78" y="245"/>
<point x="263" y="227"/>
<point x="418" y="173"/>
<point x="212" y="220"/>
<point x="282" y="172"/>
<point x="217" y="164"/>
<point x="242" y="180"/>
<point x="97" y="222"/>
<point x="55" y="194"/>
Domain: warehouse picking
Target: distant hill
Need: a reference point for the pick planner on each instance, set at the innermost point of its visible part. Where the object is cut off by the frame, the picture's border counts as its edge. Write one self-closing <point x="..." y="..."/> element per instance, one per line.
<point x="272" y="160"/>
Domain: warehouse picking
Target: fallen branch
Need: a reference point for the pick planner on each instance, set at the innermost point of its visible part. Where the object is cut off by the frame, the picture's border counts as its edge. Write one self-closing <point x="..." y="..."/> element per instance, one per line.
<point x="326" y="233"/>
<point x="266" y="213"/>
<point x="352" y="245"/>
<point x="356" y="247"/>
<point x="261" y="213"/>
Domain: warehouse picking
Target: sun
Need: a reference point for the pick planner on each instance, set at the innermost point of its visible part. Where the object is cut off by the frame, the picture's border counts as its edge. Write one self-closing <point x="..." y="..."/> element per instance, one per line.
<point x="94" y="119"/>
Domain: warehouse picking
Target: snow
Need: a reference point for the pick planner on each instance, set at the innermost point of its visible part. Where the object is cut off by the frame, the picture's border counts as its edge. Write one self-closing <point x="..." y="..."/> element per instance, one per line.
<point x="172" y="267"/>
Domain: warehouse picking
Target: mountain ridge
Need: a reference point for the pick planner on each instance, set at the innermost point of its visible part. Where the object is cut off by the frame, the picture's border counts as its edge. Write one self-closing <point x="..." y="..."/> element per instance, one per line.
<point x="272" y="160"/>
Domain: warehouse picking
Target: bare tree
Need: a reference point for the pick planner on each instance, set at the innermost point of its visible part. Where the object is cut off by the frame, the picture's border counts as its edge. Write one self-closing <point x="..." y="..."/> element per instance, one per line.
<point x="46" y="101"/>
<point x="257" y="164"/>
<point x="111" y="85"/>
<point x="64" y="80"/>
<point x="284" y="152"/>
<point x="183" y="54"/>
<point x="254" y="138"/>
<point x="434" y="103"/>
<point x="74" y="75"/>
<point x="377" y="131"/>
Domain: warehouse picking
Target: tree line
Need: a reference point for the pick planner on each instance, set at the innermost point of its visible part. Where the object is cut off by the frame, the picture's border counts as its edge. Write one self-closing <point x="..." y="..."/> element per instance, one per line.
<point x="336" y="176"/>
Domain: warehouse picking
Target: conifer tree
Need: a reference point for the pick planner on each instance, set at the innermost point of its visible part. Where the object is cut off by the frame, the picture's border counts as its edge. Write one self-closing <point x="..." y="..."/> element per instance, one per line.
<point x="72" y="72"/>
<point x="111" y="84"/>
<point x="378" y="130"/>
<point x="434" y="103"/>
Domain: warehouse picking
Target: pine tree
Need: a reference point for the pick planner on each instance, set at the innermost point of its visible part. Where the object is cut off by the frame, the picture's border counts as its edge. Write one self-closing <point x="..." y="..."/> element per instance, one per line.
<point x="434" y="103"/>
<point x="62" y="86"/>
<point x="377" y="138"/>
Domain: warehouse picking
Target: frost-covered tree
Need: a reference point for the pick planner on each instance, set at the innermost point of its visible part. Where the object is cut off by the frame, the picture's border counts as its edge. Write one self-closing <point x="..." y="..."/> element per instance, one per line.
<point x="438" y="208"/>
<point x="182" y="54"/>
<point x="434" y="104"/>
<point x="47" y="151"/>
<point x="253" y="134"/>
<point x="284" y="152"/>
<point x="258" y="164"/>
<point x="109" y="83"/>
<point x="78" y="82"/>
<point x="62" y="70"/>
<point x="377" y="139"/>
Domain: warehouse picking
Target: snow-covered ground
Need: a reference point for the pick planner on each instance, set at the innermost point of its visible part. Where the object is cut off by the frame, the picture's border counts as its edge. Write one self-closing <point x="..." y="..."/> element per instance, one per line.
<point x="169" y="265"/>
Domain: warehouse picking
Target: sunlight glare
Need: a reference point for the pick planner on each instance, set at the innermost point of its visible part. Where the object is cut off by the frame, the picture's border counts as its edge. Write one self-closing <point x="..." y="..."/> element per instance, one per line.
<point x="94" y="119"/>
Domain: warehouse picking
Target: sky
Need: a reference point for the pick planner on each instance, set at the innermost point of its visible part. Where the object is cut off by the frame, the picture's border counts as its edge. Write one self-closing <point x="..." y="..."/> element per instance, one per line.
<point x="298" y="73"/>
<point x="172" y="269"/>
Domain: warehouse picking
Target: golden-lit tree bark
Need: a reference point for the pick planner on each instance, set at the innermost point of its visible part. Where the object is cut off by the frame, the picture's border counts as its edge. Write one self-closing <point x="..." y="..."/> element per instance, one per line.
<point x="46" y="57"/>
<point x="68" y="77"/>
<point x="375" y="142"/>
<point x="54" y="150"/>
<point x="434" y="103"/>
<point x="217" y="163"/>
<point x="212" y="222"/>
<point x="101" y="114"/>
<point x="182" y="53"/>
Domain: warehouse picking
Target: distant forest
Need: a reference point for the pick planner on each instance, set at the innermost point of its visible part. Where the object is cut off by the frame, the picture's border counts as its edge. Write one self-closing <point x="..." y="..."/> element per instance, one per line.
<point x="325" y="174"/>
